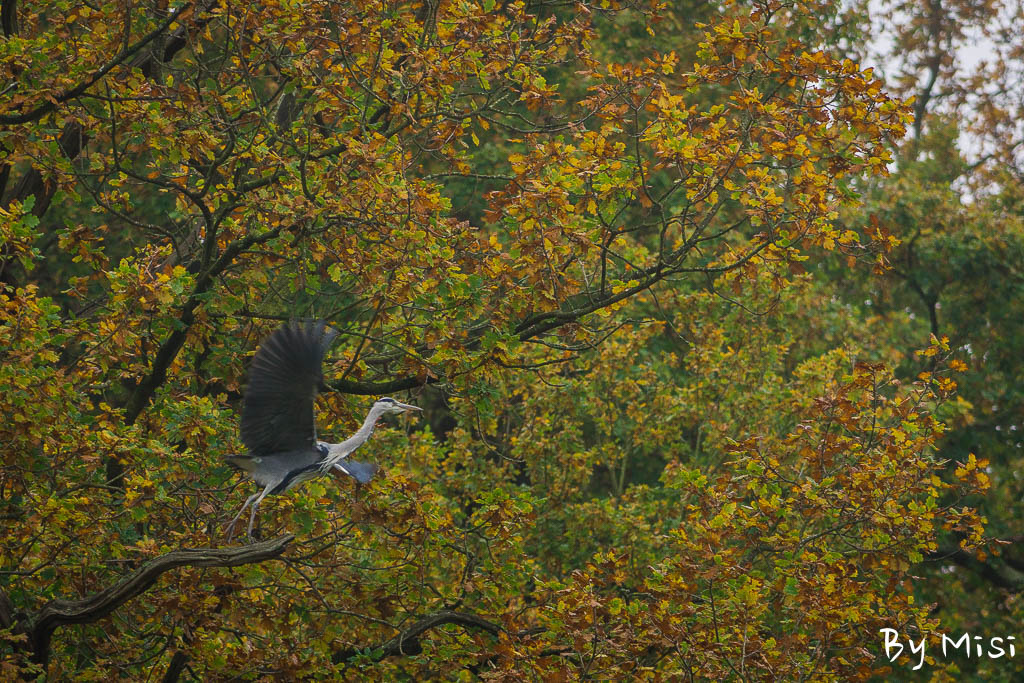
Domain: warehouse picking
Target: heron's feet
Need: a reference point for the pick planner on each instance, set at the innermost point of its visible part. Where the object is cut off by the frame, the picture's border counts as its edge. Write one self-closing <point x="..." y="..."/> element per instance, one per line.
<point x="251" y="534"/>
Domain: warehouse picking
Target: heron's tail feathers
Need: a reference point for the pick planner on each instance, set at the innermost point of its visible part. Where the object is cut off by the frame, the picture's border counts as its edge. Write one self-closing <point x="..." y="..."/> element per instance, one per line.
<point x="360" y="471"/>
<point x="246" y="463"/>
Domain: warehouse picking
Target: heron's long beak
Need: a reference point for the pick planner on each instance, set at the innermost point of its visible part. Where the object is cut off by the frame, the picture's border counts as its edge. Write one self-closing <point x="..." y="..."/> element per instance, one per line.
<point x="406" y="406"/>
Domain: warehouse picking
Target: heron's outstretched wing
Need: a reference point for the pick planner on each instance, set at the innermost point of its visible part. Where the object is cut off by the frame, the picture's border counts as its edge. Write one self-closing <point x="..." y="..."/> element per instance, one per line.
<point x="277" y="415"/>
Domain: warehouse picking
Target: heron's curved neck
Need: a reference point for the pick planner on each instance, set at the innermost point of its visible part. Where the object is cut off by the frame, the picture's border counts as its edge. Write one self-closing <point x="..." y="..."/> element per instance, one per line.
<point x="340" y="450"/>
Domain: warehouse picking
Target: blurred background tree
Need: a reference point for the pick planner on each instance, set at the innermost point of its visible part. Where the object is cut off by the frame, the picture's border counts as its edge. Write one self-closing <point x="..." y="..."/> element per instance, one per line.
<point x="954" y="201"/>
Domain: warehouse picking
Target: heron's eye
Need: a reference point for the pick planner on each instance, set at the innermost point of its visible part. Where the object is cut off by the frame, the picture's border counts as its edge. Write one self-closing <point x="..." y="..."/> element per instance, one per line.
<point x="257" y="460"/>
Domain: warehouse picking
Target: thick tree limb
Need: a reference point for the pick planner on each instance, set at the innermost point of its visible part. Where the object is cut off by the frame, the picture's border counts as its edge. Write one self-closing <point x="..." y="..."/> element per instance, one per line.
<point x="32" y="183"/>
<point x="407" y="642"/>
<point x="169" y="349"/>
<point x="9" y="17"/>
<point x="176" y="40"/>
<point x="5" y="174"/>
<point x="71" y="141"/>
<point x="1012" y="556"/>
<point x="347" y="386"/>
<point x="7" y="617"/>
<point x="985" y="570"/>
<point x="177" y="665"/>
<point x="56" y="613"/>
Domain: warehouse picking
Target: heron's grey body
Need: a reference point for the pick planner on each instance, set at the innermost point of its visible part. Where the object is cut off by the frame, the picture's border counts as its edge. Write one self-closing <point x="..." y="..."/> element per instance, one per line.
<point x="278" y="424"/>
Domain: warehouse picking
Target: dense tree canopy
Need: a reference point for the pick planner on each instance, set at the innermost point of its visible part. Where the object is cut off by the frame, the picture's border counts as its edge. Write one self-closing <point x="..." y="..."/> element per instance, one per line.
<point x="716" y="332"/>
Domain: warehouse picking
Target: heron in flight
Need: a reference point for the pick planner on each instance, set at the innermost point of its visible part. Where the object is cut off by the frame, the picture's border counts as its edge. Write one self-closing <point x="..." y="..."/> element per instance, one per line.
<point x="278" y="422"/>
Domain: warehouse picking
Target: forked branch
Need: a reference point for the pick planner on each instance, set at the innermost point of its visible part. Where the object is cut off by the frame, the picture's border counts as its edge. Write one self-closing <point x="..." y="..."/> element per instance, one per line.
<point x="58" y="612"/>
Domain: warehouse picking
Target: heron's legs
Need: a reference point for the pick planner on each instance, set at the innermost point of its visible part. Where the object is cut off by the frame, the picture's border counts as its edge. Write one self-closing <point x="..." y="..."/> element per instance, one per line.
<point x="252" y="515"/>
<point x="231" y="526"/>
<point x="258" y="498"/>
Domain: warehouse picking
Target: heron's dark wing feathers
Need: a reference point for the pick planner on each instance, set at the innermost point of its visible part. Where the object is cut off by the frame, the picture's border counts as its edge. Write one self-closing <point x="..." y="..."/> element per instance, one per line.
<point x="287" y="371"/>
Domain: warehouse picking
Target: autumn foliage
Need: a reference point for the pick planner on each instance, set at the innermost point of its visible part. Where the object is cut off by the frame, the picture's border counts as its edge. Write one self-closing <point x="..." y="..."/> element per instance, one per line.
<point x="616" y="250"/>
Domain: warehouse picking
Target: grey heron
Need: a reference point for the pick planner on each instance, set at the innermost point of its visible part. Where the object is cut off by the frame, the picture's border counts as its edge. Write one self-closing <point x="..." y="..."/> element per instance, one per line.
<point x="278" y="422"/>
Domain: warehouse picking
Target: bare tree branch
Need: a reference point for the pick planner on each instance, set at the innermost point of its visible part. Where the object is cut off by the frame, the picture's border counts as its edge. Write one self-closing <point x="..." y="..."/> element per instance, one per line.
<point x="407" y="641"/>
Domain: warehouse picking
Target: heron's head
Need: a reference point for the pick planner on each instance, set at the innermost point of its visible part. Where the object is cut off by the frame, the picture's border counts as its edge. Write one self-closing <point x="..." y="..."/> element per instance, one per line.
<point x="389" y="406"/>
